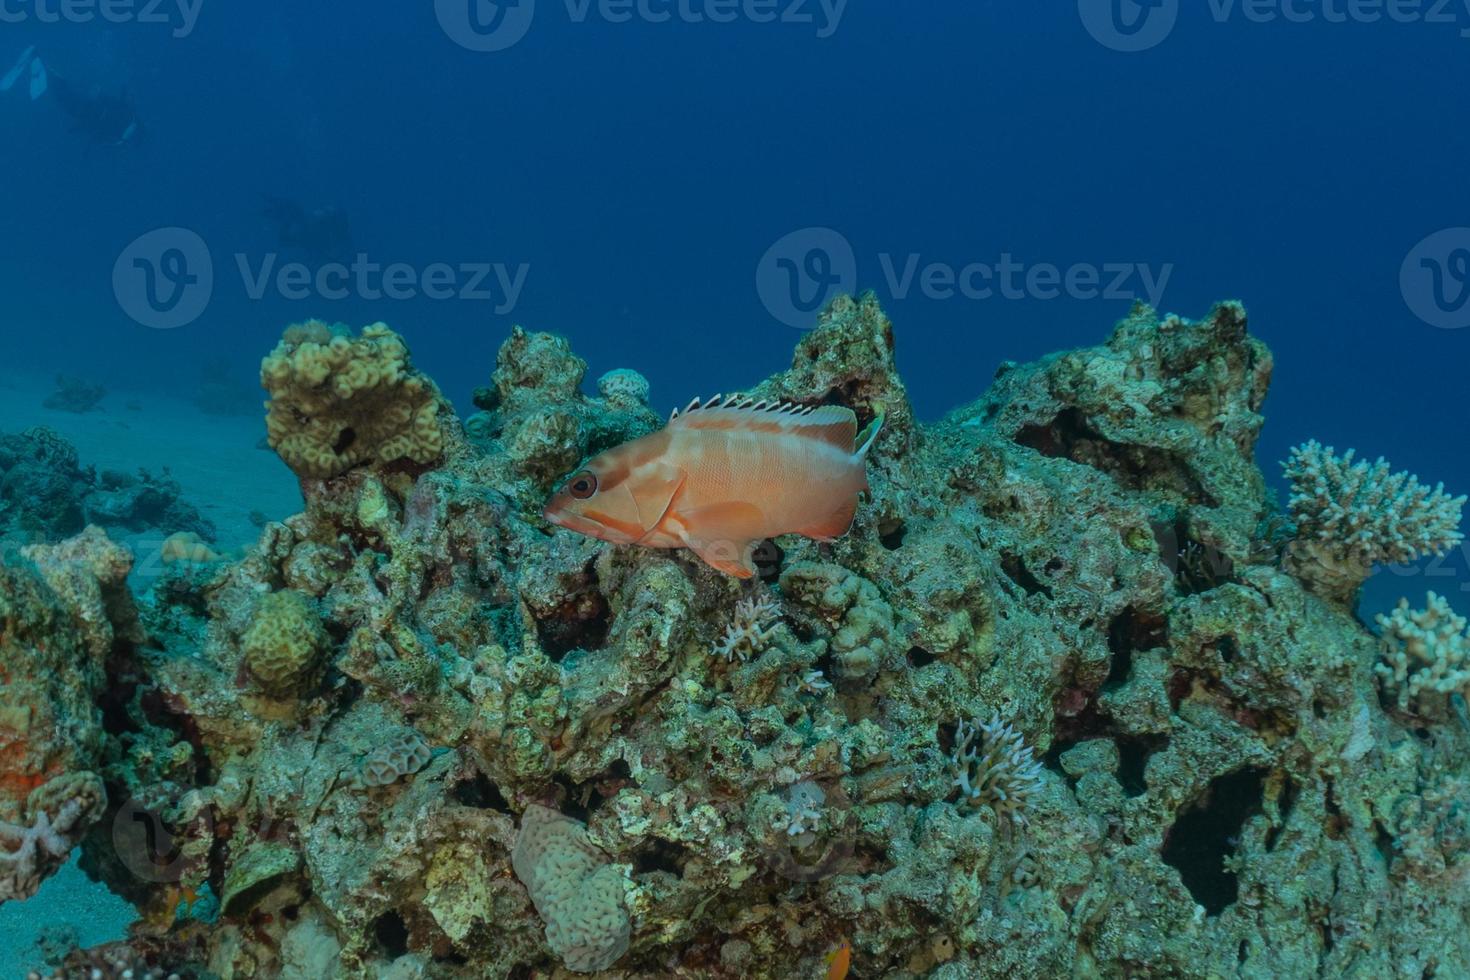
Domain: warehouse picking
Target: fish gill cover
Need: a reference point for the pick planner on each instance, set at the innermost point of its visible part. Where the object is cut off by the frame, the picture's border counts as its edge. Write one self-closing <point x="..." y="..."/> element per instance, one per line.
<point x="1066" y="701"/>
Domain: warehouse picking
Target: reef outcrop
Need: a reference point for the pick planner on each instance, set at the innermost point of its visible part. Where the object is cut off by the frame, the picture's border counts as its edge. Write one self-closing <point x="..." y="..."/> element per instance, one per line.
<point x="46" y="494"/>
<point x="1056" y="706"/>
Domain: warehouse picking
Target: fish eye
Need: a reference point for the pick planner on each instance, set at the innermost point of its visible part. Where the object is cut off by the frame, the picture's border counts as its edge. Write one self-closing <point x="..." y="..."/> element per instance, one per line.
<point x="583" y="485"/>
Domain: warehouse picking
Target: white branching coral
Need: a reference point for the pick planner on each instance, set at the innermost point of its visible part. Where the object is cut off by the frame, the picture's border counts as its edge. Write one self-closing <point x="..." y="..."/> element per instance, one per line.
<point x="1425" y="651"/>
<point x="1352" y="514"/>
<point x="813" y="682"/>
<point x="995" y="767"/>
<point x="750" y="629"/>
<point x="803" y="809"/>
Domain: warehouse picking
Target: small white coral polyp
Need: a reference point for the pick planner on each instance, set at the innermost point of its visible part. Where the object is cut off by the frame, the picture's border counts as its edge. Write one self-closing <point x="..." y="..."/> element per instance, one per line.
<point x="1367" y="511"/>
<point x="750" y="629"/>
<point x="1425" y="652"/>
<point x="995" y="767"/>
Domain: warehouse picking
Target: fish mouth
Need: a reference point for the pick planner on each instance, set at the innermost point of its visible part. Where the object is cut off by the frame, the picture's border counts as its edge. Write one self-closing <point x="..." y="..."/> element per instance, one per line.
<point x="571" y="522"/>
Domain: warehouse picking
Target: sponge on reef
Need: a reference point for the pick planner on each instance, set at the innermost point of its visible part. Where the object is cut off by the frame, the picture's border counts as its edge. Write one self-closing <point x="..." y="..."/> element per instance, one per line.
<point x="339" y="401"/>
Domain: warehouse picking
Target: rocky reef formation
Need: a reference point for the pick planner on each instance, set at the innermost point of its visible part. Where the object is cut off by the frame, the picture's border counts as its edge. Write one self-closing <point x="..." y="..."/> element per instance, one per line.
<point x="1056" y="706"/>
<point x="76" y="395"/>
<point x="46" y="494"/>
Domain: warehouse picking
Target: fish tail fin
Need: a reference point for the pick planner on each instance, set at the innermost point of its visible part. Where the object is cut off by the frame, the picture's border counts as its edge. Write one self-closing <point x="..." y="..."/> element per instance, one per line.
<point x="40" y="81"/>
<point x="13" y="75"/>
<point x="868" y="436"/>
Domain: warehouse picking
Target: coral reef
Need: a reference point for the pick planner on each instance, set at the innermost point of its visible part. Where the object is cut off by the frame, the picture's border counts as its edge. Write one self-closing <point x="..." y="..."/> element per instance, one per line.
<point x="1352" y="515"/>
<point x="338" y="402"/>
<point x="64" y="611"/>
<point x="75" y="395"/>
<point x="469" y="744"/>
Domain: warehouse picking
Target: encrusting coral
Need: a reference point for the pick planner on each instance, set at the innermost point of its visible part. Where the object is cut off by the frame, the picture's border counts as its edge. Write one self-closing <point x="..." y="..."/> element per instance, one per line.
<point x="339" y="401"/>
<point x="1351" y="515"/>
<point x="1425" y="652"/>
<point x="1222" y="789"/>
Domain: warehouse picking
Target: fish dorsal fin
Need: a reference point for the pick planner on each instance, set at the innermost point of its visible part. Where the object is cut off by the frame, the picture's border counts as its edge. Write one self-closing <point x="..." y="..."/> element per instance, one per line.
<point x="832" y="424"/>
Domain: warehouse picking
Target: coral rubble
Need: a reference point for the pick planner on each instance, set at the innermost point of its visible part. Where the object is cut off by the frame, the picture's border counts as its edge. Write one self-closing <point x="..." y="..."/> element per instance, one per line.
<point x="418" y="732"/>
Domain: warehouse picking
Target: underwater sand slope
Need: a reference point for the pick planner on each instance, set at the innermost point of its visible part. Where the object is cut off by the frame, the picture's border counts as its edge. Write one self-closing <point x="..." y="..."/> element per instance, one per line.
<point x="1056" y="706"/>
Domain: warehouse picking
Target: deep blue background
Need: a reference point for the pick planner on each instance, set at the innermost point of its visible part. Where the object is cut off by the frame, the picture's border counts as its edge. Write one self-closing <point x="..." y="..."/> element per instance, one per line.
<point x="642" y="170"/>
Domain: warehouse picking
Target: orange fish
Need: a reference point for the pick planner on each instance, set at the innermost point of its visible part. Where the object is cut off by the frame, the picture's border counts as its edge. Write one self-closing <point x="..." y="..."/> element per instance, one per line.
<point x="722" y="476"/>
<point x="839" y="961"/>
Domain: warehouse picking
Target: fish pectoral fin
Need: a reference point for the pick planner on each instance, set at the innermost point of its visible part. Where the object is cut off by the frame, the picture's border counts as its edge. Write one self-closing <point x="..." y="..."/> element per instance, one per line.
<point x="724" y="535"/>
<point x="730" y="557"/>
<point x="833" y="527"/>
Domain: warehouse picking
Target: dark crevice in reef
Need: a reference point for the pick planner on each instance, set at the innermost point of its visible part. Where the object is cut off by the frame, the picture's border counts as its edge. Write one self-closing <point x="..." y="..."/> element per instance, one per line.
<point x="892" y="538"/>
<point x="579" y="800"/>
<point x="579" y="623"/>
<point x="1071" y="730"/>
<point x="1134" y="752"/>
<point x="1016" y="570"/>
<point x="768" y="558"/>
<point x="1131" y="631"/>
<point x="1384" y="842"/>
<point x="1069" y="436"/>
<point x="1207" y="832"/>
<point x="392" y="934"/>
<point x="1284" y="804"/>
<point x="661" y="855"/>
<point x="480" y="793"/>
<point x="1197" y="567"/>
<point x="1060" y="437"/>
<point x="919" y="657"/>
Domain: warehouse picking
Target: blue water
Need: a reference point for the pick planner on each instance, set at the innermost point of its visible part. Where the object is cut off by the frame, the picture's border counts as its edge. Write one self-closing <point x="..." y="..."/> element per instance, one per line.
<point x="637" y="172"/>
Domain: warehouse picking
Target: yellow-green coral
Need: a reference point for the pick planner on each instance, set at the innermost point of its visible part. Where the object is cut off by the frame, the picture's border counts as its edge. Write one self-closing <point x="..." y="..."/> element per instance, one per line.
<point x="338" y="402"/>
<point x="284" y="645"/>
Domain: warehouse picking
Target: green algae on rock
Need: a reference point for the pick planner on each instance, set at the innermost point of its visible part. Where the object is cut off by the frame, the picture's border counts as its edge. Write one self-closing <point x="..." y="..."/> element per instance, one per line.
<point x="1087" y="556"/>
